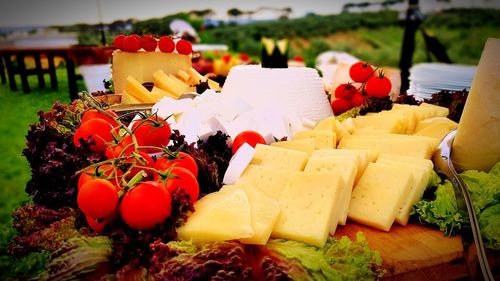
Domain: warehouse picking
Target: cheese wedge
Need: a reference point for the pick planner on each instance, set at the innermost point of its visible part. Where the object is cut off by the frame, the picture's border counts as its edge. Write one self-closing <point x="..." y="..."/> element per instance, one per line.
<point x="279" y="158"/>
<point x="138" y="91"/>
<point x="219" y="216"/>
<point x="308" y="206"/>
<point x="264" y="213"/>
<point x="379" y="195"/>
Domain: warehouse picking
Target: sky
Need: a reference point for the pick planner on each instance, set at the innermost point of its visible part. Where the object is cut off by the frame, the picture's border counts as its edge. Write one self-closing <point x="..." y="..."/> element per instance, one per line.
<point x="15" y="13"/>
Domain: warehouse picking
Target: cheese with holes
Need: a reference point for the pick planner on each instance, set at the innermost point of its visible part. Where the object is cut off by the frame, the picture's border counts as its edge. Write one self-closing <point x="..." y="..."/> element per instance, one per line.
<point x="421" y="169"/>
<point x="379" y="194"/>
<point x="322" y="138"/>
<point x="219" y="216"/>
<point x="348" y="172"/>
<point x="304" y="145"/>
<point x="267" y="179"/>
<point x="308" y="208"/>
<point x="279" y="158"/>
<point x="141" y="65"/>
<point x="264" y="213"/>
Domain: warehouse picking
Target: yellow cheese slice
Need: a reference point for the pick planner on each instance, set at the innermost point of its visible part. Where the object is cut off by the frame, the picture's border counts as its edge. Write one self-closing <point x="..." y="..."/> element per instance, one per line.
<point x="308" y="206"/>
<point x="129" y="99"/>
<point x="137" y="90"/>
<point x="322" y="138"/>
<point x="279" y="158"/>
<point x="266" y="179"/>
<point x="379" y="194"/>
<point x="264" y="213"/>
<point x="163" y="81"/>
<point x="331" y="123"/>
<point x="163" y="93"/>
<point x="304" y="145"/>
<point x="219" y="216"/>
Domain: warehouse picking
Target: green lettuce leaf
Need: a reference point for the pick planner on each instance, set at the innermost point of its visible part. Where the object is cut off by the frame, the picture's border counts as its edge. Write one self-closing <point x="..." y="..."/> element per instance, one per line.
<point x="489" y="222"/>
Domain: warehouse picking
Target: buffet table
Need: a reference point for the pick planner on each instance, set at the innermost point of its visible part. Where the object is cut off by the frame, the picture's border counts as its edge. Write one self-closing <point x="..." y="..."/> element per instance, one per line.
<point x="72" y="56"/>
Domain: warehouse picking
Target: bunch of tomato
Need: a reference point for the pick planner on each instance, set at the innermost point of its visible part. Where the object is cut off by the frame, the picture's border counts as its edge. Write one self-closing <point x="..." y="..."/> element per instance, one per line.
<point x="373" y="84"/>
<point x="131" y="184"/>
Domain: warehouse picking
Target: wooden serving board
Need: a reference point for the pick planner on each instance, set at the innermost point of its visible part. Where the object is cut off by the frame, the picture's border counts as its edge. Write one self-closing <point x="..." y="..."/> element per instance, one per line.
<point x="413" y="252"/>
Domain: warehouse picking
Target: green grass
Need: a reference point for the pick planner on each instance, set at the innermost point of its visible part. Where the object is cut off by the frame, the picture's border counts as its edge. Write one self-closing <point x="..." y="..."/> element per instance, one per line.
<point x="19" y="110"/>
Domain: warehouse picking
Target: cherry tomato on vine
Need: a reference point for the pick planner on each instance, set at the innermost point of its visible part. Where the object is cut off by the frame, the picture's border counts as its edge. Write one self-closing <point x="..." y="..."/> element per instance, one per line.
<point x="98" y="225"/>
<point x="94" y="113"/>
<point x="141" y="160"/>
<point x="346" y="90"/>
<point x="184" y="179"/>
<point x="340" y="106"/>
<point x="97" y="128"/>
<point x="360" y="71"/>
<point x="103" y="171"/>
<point x="378" y="86"/>
<point x="153" y="131"/>
<point x="358" y="99"/>
<point x="146" y="205"/>
<point x="115" y="150"/>
<point x="248" y="136"/>
<point x="97" y="198"/>
<point x="182" y="159"/>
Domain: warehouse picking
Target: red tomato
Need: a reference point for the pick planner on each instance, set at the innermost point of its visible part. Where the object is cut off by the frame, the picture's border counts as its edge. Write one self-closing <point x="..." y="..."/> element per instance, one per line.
<point x="182" y="160"/>
<point x="358" y="99"/>
<point x="94" y="113"/>
<point x="340" y="106"/>
<point x="118" y="41"/>
<point x="360" y="71"/>
<point x="153" y="131"/>
<point x="166" y="44"/>
<point x="144" y="160"/>
<point x="378" y="86"/>
<point x="104" y="171"/>
<point x="97" y="198"/>
<point x="148" y="43"/>
<point x="184" y="179"/>
<point x="98" y="225"/>
<point x="346" y="90"/>
<point x="132" y="43"/>
<point x="184" y="47"/>
<point x="248" y="136"/>
<point x="97" y="128"/>
<point x="146" y="205"/>
<point x="115" y="150"/>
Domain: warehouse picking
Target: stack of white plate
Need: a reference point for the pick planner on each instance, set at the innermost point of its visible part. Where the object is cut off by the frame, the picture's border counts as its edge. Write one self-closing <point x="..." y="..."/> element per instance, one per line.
<point x="429" y="78"/>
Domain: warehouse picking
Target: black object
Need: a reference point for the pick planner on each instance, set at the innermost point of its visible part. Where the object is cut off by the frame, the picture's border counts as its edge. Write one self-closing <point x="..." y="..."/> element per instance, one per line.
<point x="276" y="58"/>
<point x="413" y="20"/>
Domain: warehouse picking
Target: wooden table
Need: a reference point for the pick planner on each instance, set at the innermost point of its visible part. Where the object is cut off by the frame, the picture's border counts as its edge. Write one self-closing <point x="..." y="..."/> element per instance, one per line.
<point x="72" y="55"/>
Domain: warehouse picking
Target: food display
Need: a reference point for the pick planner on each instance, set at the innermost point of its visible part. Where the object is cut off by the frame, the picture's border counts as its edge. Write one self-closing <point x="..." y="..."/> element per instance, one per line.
<point x="266" y="178"/>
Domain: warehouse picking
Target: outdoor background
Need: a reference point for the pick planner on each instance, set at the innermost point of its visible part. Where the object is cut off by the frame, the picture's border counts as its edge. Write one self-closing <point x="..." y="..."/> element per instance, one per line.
<point x="374" y="34"/>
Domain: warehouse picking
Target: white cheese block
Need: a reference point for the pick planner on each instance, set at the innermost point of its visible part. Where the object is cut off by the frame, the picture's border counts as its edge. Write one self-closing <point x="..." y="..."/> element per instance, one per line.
<point x="379" y="194"/>
<point x="238" y="163"/>
<point x="308" y="208"/>
<point x="219" y="216"/>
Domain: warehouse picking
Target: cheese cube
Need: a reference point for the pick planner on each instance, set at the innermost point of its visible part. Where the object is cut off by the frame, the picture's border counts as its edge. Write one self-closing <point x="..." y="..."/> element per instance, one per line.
<point x="279" y="158"/>
<point x="379" y="194"/>
<point x="219" y="216"/>
<point x="304" y="145"/>
<point x="348" y="172"/>
<point x="322" y="138"/>
<point x="264" y="213"/>
<point x="308" y="207"/>
<point x="266" y="179"/>
<point x="421" y="169"/>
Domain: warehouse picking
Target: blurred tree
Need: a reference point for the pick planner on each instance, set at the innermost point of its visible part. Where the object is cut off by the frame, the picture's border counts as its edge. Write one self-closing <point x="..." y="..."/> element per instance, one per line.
<point x="234" y="13"/>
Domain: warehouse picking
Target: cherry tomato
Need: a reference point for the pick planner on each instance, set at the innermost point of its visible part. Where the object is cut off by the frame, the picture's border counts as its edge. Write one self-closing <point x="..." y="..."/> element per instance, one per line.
<point x="153" y="131"/>
<point x="358" y="99"/>
<point x="248" y="136"/>
<point x="184" y="47"/>
<point x="360" y="71"/>
<point x="103" y="171"/>
<point x="97" y="198"/>
<point x="118" y="41"/>
<point x="340" y="106"/>
<point x="94" y="113"/>
<point x="97" y="128"/>
<point x="182" y="160"/>
<point x="184" y="179"/>
<point x="132" y="43"/>
<point x="346" y="90"/>
<point x="142" y="160"/>
<point x="378" y="86"/>
<point x="148" y="43"/>
<point x="115" y="150"/>
<point x="166" y="44"/>
<point x="146" y="205"/>
<point x="98" y="225"/>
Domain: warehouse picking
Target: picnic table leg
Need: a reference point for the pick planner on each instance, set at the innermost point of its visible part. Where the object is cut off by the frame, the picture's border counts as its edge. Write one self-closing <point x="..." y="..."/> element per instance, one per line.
<point x="52" y="72"/>
<point x="39" y="70"/>
<point x="2" y="71"/>
<point x="22" y="72"/>
<point x="73" y="87"/>
<point x="10" y="72"/>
